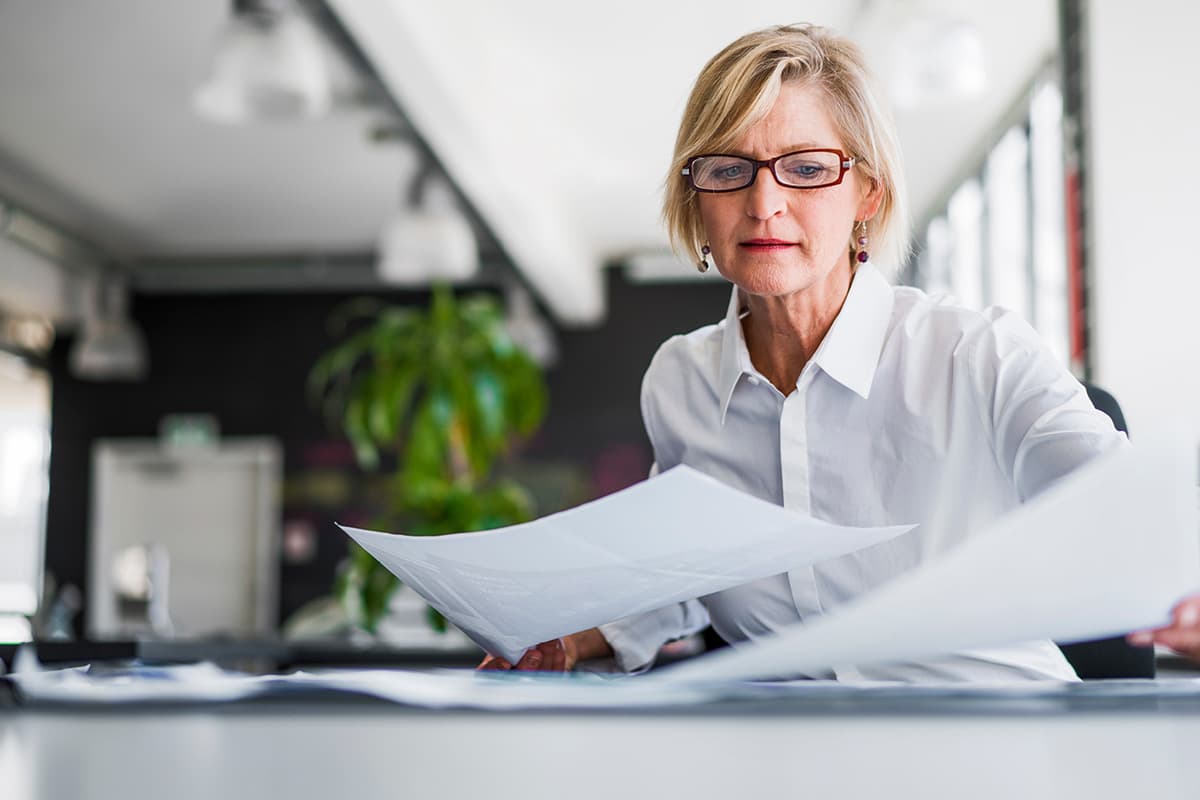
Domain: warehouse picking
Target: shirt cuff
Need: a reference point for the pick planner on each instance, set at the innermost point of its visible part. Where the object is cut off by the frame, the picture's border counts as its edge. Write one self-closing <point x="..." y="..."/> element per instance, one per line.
<point x="635" y="640"/>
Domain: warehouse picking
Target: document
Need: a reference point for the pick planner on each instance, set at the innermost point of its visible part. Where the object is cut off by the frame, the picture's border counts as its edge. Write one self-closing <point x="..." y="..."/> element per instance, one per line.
<point x="1109" y="549"/>
<point x="677" y="536"/>
<point x="190" y="683"/>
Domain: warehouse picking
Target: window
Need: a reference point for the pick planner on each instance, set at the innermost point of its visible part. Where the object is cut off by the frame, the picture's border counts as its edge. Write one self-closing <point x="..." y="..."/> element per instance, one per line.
<point x="24" y="483"/>
<point x="1001" y="240"/>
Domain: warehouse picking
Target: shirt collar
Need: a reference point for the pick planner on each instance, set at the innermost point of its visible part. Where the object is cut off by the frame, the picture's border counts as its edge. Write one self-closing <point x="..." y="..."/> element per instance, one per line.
<point x="850" y="350"/>
<point x="735" y="358"/>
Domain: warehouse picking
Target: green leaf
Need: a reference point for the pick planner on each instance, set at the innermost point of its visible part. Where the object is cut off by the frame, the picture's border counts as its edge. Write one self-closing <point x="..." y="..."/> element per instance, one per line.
<point x="446" y="390"/>
<point x="357" y="429"/>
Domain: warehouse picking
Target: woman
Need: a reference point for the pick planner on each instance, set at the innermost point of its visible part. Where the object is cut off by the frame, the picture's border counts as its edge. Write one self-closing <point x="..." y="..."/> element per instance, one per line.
<point x="826" y="389"/>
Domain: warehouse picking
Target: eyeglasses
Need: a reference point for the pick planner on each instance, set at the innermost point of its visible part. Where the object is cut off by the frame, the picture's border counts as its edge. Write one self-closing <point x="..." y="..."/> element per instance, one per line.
<point x="803" y="169"/>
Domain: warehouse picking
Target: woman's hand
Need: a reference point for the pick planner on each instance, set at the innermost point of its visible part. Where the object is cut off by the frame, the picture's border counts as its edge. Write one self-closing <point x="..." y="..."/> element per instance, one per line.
<point x="552" y="656"/>
<point x="1183" y="633"/>
<point x="556" y="655"/>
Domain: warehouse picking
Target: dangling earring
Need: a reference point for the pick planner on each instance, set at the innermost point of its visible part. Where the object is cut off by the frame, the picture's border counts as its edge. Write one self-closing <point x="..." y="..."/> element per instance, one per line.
<point x="702" y="264"/>
<point x="862" y="254"/>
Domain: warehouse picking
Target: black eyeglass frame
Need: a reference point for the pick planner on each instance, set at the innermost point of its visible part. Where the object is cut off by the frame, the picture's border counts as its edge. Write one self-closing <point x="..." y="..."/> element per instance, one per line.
<point x="844" y="161"/>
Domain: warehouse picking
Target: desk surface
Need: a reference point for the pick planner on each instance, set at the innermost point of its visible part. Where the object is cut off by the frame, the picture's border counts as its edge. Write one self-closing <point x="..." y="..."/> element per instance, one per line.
<point x="359" y="748"/>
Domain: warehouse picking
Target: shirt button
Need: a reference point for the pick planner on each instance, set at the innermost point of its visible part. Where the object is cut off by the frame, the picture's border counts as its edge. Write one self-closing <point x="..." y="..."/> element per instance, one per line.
<point x="752" y="380"/>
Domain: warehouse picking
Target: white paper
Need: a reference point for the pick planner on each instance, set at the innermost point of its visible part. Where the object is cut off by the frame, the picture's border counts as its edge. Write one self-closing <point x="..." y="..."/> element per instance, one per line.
<point x="677" y="536"/>
<point x="496" y="690"/>
<point x="1108" y="550"/>
<point x="192" y="683"/>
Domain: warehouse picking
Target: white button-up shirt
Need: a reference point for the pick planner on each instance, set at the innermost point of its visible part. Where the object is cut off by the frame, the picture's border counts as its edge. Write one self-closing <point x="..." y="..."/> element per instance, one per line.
<point x="910" y="411"/>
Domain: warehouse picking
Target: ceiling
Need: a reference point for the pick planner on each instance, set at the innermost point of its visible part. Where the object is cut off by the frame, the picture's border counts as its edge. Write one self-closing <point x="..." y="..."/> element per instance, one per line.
<point x="554" y="120"/>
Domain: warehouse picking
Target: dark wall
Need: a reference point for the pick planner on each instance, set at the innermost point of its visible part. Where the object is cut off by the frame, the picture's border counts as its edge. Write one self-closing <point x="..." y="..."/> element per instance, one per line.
<point x="245" y="359"/>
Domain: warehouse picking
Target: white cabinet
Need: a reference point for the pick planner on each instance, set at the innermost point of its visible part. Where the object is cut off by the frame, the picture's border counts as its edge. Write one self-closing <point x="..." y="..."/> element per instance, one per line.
<point x="210" y="518"/>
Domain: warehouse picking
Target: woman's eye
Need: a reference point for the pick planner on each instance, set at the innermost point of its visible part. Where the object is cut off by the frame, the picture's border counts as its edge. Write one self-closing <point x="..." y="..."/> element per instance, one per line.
<point x="731" y="172"/>
<point x="805" y="172"/>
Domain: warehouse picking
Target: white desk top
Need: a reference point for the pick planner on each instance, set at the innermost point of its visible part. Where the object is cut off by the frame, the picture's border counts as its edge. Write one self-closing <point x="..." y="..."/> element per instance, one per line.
<point x="361" y="749"/>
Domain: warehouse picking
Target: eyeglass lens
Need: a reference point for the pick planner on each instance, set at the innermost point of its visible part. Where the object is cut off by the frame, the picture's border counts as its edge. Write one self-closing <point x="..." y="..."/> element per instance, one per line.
<point x="803" y="170"/>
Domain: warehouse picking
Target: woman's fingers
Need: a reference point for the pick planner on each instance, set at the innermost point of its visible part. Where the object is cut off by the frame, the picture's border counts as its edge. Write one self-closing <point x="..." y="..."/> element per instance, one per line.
<point x="1140" y="638"/>
<point x="1186" y="642"/>
<point x="556" y="655"/>
<point x="532" y="660"/>
<point x="1181" y="635"/>
<point x="494" y="662"/>
<point x="548" y="656"/>
<point x="1187" y="614"/>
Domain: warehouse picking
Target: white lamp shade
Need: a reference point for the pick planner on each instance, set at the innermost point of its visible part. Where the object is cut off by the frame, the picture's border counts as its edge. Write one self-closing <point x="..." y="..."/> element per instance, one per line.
<point x="266" y="70"/>
<point x="419" y="246"/>
<point x="109" y="349"/>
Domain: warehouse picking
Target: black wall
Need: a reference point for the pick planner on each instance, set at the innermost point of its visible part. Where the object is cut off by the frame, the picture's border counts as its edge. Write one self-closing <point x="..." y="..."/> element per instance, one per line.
<point x="245" y="359"/>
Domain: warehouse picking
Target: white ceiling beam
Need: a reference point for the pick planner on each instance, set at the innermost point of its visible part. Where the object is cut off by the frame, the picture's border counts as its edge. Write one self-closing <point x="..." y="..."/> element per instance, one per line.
<point x="529" y="225"/>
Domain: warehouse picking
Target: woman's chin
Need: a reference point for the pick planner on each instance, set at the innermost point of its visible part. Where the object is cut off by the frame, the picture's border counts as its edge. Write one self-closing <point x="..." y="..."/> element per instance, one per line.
<point x="771" y="282"/>
<point x="770" y="278"/>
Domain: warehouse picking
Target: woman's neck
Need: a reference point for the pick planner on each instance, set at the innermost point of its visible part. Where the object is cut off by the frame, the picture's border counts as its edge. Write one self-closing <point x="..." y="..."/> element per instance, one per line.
<point x="782" y="333"/>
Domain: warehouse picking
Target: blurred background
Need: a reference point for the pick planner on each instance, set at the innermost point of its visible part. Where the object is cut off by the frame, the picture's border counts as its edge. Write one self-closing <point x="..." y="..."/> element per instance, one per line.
<point x="191" y="194"/>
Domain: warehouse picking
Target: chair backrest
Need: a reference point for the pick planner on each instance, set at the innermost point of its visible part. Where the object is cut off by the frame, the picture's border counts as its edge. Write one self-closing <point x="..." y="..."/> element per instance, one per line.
<point x="1115" y="657"/>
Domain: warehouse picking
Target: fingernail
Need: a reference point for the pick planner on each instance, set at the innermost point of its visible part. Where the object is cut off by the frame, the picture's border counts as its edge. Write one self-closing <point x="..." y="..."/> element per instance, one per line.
<point x="1140" y="638"/>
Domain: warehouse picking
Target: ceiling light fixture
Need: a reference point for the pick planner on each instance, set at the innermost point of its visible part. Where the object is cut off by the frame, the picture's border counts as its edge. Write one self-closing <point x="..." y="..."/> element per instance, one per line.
<point x="428" y="241"/>
<point x="268" y="64"/>
<point x="110" y="346"/>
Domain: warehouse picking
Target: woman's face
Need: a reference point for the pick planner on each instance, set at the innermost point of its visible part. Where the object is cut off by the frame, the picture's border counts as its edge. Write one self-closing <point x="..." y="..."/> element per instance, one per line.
<point x="776" y="241"/>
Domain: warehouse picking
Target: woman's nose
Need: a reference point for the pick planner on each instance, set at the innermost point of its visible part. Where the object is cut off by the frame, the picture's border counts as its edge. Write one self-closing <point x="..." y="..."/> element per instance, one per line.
<point x="765" y="198"/>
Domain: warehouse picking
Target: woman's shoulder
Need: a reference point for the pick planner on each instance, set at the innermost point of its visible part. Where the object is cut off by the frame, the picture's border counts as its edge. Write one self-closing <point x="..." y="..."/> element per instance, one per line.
<point x="687" y="353"/>
<point x="930" y="320"/>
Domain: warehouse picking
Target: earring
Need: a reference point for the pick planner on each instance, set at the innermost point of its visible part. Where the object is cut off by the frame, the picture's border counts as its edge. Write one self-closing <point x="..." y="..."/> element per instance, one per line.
<point x="862" y="254"/>
<point x="702" y="264"/>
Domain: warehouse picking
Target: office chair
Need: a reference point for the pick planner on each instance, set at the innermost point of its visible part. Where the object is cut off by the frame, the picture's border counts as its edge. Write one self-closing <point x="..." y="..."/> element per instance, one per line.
<point x="1115" y="657"/>
<point x="1092" y="660"/>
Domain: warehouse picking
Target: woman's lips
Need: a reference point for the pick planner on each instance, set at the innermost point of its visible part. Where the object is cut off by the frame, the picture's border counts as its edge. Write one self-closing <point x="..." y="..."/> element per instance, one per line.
<point x="766" y="244"/>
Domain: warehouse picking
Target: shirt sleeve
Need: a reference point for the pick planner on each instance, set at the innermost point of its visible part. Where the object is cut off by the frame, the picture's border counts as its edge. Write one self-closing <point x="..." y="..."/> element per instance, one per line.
<point x="1042" y="424"/>
<point x="636" y="640"/>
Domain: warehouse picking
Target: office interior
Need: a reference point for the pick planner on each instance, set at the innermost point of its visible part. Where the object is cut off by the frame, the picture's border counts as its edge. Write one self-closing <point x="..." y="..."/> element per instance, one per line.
<point x="177" y="254"/>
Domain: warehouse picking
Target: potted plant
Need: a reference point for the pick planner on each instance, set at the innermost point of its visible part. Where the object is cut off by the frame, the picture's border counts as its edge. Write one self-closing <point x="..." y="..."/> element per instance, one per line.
<point x="442" y="394"/>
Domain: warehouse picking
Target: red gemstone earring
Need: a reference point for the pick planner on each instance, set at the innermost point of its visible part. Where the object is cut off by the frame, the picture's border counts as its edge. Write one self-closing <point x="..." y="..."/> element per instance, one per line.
<point x="702" y="264"/>
<point x="862" y="254"/>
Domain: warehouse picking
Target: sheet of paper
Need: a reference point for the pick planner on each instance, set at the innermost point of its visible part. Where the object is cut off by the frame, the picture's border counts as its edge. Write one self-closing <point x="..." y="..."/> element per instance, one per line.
<point x="507" y="691"/>
<point x="1110" y="549"/>
<point x="191" y="683"/>
<point x="677" y="536"/>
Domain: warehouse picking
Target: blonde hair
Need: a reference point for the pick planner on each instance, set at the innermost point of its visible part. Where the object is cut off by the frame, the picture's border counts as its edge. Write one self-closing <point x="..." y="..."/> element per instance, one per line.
<point x="738" y="87"/>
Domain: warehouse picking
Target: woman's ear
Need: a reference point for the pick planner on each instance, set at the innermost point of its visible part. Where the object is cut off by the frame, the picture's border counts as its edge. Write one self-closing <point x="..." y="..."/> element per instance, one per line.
<point x="872" y="199"/>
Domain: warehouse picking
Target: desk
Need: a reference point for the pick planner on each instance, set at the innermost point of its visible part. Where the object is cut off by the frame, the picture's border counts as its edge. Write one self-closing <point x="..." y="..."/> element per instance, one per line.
<point x="349" y="748"/>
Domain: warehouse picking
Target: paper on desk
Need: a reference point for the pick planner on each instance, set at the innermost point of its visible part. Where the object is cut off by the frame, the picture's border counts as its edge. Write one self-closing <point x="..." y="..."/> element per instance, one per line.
<point x="496" y="690"/>
<point x="1108" y="550"/>
<point x="190" y="683"/>
<point x="677" y="536"/>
